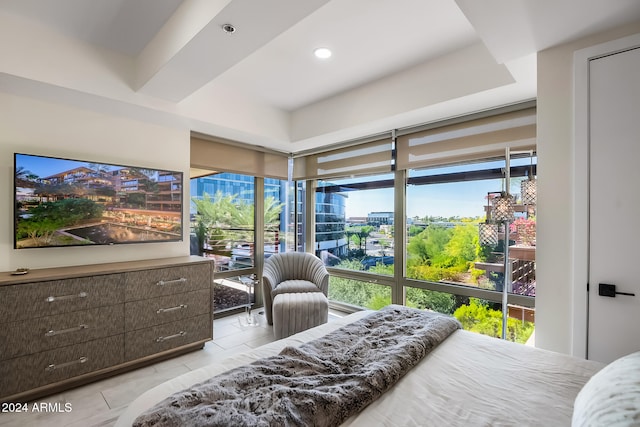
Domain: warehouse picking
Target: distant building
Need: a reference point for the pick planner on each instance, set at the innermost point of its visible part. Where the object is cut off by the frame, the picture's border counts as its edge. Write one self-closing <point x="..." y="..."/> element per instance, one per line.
<point x="232" y="183"/>
<point x="331" y="223"/>
<point x="357" y="220"/>
<point x="380" y="218"/>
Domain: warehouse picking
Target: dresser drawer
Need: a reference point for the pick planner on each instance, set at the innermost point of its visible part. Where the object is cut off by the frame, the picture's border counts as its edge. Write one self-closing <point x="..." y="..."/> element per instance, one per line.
<point x="39" y="299"/>
<point x="46" y="333"/>
<point x="166" y="281"/>
<point x="28" y="372"/>
<point x="164" y="337"/>
<point x="144" y="313"/>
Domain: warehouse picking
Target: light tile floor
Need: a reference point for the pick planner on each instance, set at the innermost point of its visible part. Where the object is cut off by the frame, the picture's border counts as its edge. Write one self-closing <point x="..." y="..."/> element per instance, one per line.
<point x="99" y="404"/>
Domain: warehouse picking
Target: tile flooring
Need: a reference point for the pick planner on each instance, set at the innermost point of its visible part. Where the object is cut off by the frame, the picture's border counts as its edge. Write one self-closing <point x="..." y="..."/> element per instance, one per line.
<point x="99" y="404"/>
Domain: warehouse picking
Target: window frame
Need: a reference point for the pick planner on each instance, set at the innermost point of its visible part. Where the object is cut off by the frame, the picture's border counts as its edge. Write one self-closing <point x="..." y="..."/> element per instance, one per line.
<point x="399" y="281"/>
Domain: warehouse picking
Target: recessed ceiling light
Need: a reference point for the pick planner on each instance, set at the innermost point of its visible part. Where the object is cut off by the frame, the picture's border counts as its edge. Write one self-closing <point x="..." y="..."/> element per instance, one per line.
<point x="322" y="53"/>
<point x="228" y="28"/>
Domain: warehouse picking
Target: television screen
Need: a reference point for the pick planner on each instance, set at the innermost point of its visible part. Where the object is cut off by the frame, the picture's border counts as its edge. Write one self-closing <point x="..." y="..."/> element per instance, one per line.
<point x="63" y="202"/>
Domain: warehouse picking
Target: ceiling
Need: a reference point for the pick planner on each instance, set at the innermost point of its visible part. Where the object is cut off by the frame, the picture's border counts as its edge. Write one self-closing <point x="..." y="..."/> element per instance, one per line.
<point x="395" y="63"/>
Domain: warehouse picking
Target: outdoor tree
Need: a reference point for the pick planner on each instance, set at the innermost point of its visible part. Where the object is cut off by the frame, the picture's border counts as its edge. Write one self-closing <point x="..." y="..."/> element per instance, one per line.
<point x="361" y="294"/>
<point x="478" y="317"/>
<point x="442" y="253"/>
<point x="428" y="246"/>
<point x="359" y="235"/>
<point x="441" y="302"/>
<point x="463" y="245"/>
<point x="229" y="218"/>
<point x="414" y="230"/>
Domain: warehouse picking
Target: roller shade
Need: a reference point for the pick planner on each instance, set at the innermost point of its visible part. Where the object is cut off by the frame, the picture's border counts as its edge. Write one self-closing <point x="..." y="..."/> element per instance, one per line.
<point x="468" y="141"/>
<point x="365" y="158"/>
<point x="224" y="156"/>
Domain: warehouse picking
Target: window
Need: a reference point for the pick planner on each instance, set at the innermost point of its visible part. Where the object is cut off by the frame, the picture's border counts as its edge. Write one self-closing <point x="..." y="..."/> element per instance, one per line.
<point x="222" y="214"/>
<point x="354" y="223"/>
<point x="445" y="207"/>
<point x="239" y="190"/>
<point x="395" y="218"/>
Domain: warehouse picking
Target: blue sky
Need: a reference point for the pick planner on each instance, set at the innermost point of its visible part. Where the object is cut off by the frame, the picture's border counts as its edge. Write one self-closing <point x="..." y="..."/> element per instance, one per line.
<point x="464" y="199"/>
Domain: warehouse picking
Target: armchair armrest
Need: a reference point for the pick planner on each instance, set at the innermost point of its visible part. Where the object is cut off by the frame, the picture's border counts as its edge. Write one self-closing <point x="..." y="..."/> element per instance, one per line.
<point x="270" y="279"/>
<point x="320" y="276"/>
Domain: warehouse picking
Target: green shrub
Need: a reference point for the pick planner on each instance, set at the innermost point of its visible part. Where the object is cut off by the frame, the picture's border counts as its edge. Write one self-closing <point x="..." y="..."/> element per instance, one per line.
<point x="476" y="317"/>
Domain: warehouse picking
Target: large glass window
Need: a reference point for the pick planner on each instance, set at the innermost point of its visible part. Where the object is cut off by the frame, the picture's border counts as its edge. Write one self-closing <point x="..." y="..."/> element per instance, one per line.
<point x="445" y="259"/>
<point x="354" y="223"/>
<point x="447" y="209"/>
<point x="223" y="219"/>
<point x="222" y="228"/>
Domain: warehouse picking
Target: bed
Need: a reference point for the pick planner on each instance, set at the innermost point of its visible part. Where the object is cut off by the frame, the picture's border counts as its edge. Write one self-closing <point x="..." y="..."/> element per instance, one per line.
<point x="466" y="380"/>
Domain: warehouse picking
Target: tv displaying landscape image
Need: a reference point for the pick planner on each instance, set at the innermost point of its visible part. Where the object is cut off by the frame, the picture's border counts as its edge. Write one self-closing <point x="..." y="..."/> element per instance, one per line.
<point x="64" y="202"/>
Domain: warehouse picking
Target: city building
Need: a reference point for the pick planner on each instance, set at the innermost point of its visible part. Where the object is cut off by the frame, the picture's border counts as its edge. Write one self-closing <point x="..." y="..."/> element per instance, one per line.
<point x="380" y="218"/>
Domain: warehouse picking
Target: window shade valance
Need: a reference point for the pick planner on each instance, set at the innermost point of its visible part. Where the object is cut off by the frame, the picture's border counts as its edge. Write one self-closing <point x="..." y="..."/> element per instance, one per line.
<point x="462" y="141"/>
<point x="365" y="158"/>
<point x="469" y="140"/>
<point x="218" y="155"/>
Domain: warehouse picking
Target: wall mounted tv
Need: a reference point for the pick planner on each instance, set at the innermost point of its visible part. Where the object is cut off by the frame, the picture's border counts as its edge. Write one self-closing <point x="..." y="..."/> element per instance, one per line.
<point x="63" y="202"/>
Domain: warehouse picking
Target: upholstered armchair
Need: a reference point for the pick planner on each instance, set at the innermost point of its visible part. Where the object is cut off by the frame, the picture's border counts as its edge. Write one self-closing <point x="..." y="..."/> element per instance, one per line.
<point x="292" y="272"/>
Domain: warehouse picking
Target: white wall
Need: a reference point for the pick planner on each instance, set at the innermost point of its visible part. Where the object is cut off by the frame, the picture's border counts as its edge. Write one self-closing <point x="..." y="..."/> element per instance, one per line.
<point x="561" y="263"/>
<point x="37" y="127"/>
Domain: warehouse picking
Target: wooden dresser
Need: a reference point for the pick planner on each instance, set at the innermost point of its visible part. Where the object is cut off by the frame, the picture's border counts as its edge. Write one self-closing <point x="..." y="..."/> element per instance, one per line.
<point x="61" y="327"/>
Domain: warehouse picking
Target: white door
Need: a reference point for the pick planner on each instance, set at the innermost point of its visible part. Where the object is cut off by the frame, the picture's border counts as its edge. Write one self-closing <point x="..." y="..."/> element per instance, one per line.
<point x="614" y="205"/>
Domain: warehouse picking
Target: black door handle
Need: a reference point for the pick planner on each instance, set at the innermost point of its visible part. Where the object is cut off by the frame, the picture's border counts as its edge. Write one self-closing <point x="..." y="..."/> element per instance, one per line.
<point x="607" y="290"/>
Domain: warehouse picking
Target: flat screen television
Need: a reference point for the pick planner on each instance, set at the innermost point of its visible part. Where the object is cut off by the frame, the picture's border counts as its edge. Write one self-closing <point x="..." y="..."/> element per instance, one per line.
<point x="64" y="202"/>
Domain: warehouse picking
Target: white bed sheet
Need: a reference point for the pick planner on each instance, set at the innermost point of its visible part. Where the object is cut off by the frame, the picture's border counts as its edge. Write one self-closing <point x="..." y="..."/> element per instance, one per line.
<point x="468" y="380"/>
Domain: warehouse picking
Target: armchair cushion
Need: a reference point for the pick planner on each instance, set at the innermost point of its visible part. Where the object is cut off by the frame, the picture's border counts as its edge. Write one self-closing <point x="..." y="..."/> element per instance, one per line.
<point x="294" y="286"/>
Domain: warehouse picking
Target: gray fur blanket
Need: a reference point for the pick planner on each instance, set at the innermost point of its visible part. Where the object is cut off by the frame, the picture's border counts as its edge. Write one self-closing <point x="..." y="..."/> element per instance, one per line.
<point x="321" y="383"/>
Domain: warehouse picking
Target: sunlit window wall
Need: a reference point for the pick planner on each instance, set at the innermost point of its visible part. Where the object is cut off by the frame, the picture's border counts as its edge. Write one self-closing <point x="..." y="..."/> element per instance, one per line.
<point x="354" y="223"/>
<point x="446" y="207"/>
<point x="222" y="224"/>
<point x="222" y="213"/>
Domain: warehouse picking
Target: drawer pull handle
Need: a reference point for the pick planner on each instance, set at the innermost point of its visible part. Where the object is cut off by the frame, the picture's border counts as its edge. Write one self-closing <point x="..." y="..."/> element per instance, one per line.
<point x="66" y="297"/>
<point x="167" y="310"/>
<point x="171" y="282"/>
<point x="52" y="332"/>
<point x="52" y="367"/>
<point x="170" y="337"/>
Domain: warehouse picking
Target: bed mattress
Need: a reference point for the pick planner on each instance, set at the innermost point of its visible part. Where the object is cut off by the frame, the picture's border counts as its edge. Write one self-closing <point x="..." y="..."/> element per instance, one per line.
<point x="468" y="380"/>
